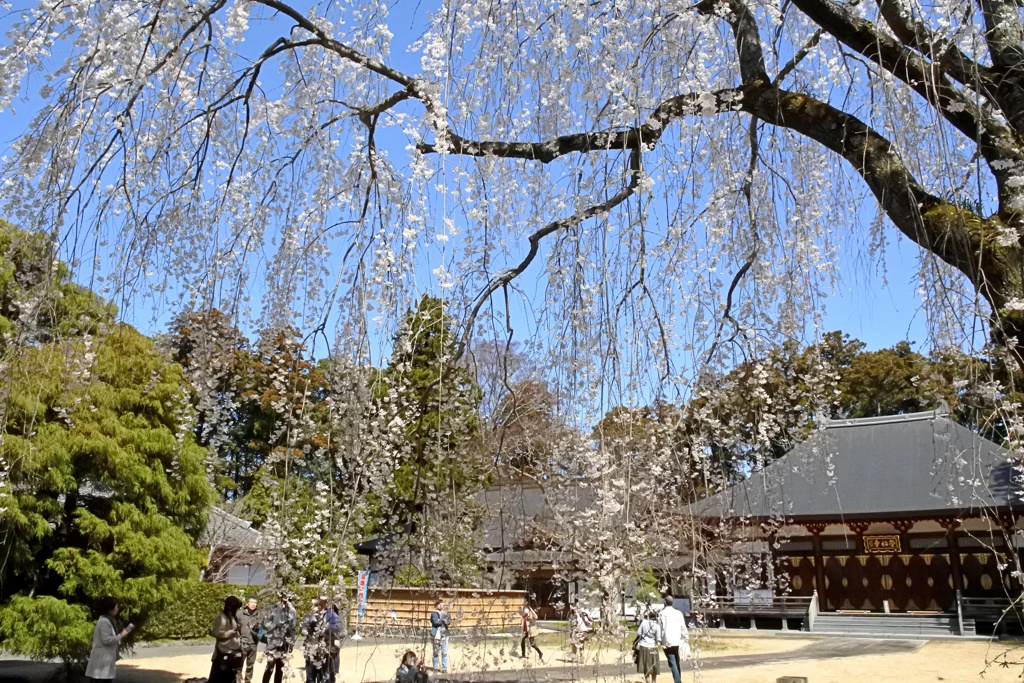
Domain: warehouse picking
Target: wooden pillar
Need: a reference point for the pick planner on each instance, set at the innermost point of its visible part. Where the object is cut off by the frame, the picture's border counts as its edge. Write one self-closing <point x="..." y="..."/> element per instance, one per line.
<point x="1008" y="522"/>
<point x="868" y="599"/>
<point x="950" y="524"/>
<point x="819" y="562"/>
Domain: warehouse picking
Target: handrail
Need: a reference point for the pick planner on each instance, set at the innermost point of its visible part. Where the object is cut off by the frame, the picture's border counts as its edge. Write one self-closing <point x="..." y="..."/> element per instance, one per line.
<point x="731" y="603"/>
<point x="959" y="613"/>
<point x="812" y="611"/>
<point x="985" y="602"/>
<point x="755" y="600"/>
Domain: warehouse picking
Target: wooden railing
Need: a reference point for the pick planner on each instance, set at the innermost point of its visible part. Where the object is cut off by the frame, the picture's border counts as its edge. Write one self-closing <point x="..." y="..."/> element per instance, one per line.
<point x="987" y="609"/>
<point x="756" y="606"/>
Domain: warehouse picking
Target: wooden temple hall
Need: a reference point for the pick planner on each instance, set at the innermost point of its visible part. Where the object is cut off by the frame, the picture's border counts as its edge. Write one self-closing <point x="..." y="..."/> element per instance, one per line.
<point x="888" y="524"/>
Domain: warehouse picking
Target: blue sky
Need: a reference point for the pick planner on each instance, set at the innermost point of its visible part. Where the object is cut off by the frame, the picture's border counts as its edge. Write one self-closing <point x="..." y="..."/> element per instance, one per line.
<point x="878" y="312"/>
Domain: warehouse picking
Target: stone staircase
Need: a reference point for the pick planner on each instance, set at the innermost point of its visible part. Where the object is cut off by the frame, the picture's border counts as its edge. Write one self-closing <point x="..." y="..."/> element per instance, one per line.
<point x="893" y="625"/>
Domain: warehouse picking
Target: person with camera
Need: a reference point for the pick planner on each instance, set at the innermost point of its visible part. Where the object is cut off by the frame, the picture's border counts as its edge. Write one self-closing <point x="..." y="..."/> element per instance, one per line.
<point x="106" y="641"/>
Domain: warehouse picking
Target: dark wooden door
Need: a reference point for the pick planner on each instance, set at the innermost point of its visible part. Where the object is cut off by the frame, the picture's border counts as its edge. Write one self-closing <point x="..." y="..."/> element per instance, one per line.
<point x="795" y="576"/>
<point x="981" y="575"/>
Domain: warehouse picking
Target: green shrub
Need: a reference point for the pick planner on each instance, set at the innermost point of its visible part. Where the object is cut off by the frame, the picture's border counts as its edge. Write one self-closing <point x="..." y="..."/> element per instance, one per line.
<point x="45" y="627"/>
<point x="191" y="615"/>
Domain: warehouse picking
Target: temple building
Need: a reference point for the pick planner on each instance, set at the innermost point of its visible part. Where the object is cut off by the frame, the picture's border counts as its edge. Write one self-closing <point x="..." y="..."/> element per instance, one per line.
<point x="908" y="514"/>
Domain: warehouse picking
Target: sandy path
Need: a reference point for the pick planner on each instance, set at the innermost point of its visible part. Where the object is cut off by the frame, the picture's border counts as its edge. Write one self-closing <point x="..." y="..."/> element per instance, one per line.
<point x="943" y="661"/>
<point x="368" y="660"/>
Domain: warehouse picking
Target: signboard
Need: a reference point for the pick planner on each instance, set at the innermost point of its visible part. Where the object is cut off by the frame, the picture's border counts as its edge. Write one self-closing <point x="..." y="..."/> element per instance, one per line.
<point x="882" y="544"/>
<point x="760" y="596"/>
<point x="362" y="588"/>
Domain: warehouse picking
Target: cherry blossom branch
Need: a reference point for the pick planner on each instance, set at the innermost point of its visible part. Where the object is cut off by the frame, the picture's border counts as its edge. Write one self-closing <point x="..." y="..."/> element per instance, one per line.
<point x="1004" y="34"/>
<point x="800" y="55"/>
<point x="507" y="276"/>
<point x="647" y="134"/>
<point x="329" y="43"/>
<point x="936" y="48"/>
<point x="995" y="140"/>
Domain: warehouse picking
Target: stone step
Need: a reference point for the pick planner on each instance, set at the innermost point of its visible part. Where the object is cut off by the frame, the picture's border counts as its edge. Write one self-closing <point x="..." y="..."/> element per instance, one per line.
<point x="909" y="625"/>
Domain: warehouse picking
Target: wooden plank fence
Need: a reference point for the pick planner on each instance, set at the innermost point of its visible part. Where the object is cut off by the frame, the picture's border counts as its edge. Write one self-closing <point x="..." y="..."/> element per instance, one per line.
<point x="408" y="609"/>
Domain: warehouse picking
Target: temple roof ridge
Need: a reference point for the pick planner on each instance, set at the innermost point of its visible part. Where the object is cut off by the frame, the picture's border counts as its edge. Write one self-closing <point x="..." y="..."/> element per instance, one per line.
<point x="886" y="419"/>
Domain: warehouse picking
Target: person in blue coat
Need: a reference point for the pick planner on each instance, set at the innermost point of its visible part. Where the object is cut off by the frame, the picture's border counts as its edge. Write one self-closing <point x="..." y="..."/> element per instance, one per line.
<point x="338" y="633"/>
<point x="440" y="620"/>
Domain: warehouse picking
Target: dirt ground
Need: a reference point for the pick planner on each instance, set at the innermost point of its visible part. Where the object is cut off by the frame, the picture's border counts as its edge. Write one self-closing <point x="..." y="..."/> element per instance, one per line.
<point x="951" y="661"/>
<point x="369" y="660"/>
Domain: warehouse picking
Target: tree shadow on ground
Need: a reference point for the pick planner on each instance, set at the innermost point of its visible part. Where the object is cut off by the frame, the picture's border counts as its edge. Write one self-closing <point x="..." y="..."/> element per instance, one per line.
<point x="127" y="675"/>
<point x="21" y="671"/>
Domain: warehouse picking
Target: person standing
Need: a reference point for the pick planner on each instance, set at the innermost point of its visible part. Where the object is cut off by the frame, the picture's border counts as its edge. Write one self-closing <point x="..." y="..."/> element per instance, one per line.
<point x="249" y="627"/>
<point x="227" y="653"/>
<point x="647" y="636"/>
<point x="106" y="641"/>
<point x="580" y="624"/>
<point x="440" y="620"/>
<point x="529" y="616"/>
<point x="338" y="633"/>
<point x="316" y="644"/>
<point x="279" y="632"/>
<point x="675" y="640"/>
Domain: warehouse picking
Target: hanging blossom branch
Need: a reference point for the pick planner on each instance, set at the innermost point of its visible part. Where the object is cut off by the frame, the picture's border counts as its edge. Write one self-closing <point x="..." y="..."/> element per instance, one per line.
<point x="507" y="276"/>
<point x="956" y="235"/>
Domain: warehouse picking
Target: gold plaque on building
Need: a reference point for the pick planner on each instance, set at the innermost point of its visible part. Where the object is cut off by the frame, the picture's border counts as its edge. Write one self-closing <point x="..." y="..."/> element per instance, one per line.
<point x="882" y="544"/>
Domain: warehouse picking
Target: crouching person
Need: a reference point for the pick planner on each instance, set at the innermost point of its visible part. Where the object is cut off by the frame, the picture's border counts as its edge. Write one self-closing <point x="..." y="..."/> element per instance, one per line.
<point x="411" y="670"/>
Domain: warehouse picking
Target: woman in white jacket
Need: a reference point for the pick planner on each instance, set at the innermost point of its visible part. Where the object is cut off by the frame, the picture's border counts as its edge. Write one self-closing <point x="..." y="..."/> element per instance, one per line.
<point x="106" y="641"/>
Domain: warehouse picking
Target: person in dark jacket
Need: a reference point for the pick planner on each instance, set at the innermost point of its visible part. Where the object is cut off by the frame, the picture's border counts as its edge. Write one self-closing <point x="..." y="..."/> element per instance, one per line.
<point x="249" y="627"/>
<point x="316" y="646"/>
<point x="227" y="653"/>
<point x="279" y="632"/>
<point x="339" y="632"/>
<point x="410" y="670"/>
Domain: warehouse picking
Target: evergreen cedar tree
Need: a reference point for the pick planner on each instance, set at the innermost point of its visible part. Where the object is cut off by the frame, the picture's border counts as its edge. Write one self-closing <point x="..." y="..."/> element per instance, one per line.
<point x="106" y="490"/>
<point x="438" y="453"/>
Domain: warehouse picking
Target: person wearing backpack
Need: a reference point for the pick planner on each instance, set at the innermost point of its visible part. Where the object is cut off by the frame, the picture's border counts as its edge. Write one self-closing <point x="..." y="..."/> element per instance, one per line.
<point x="249" y="627"/>
<point x="279" y="635"/>
<point x="316" y="646"/>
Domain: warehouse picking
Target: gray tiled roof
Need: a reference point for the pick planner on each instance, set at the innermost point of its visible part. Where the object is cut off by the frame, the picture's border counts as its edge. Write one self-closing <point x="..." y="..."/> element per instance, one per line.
<point x="225" y="530"/>
<point x="517" y="515"/>
<point x="916" y="464"/>
<point x="512" y="512"/>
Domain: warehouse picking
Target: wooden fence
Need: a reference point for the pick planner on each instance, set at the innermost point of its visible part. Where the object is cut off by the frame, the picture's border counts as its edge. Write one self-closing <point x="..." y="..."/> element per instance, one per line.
<point x="408" y="609"/>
